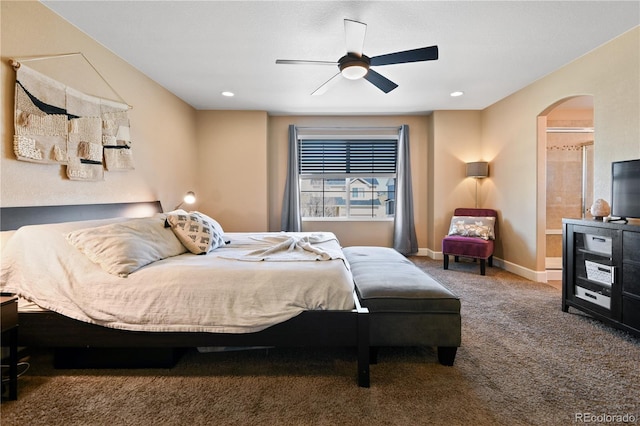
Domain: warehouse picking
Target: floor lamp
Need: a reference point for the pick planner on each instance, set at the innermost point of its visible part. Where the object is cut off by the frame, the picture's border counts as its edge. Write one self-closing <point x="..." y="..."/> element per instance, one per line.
<point x="478" y="170"/>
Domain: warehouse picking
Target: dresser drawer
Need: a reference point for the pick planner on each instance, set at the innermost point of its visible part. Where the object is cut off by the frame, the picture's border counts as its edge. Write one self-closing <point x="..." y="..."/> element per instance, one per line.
<point x="631" y="246"/>
<point x="631" y="278"/>
<point x="631" y="312"/>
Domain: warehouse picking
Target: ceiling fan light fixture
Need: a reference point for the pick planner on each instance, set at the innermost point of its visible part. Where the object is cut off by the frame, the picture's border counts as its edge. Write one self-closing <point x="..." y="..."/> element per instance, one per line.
<point x="354" y="71"/>
<point x="353" y="67"/>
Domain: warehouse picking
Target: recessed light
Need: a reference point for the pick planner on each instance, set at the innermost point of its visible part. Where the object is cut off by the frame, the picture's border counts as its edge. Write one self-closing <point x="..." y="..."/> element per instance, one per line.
<point x="456" y="94"/>
<point x="228" y="94"/>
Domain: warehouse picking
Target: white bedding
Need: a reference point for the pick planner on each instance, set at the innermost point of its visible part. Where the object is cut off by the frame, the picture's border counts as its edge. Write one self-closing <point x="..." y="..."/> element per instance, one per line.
<point x="215" y="292"/>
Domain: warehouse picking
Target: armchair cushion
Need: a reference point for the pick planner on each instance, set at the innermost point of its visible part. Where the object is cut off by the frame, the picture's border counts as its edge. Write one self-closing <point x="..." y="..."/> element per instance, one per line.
<point x="470" y="247"/>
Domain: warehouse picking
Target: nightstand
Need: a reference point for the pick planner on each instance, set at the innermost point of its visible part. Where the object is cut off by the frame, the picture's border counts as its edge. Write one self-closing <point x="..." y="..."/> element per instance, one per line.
<point x="9" y="324"/>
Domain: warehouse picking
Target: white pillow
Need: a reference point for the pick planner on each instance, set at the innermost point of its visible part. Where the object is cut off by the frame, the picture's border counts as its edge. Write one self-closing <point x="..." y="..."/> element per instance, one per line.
<point x="470" y="226"/>
<point x="122" y="248"/>
<point x="198" y="232"/>
<point x="4" y="238"/>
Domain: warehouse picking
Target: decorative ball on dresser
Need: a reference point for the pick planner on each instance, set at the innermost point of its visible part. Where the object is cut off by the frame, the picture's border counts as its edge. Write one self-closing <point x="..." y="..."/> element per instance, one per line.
<point x="599" y="209"/>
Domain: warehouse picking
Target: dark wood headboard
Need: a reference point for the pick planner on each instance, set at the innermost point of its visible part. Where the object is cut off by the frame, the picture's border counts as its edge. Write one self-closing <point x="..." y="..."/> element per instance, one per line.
<point x="14" y="217"/>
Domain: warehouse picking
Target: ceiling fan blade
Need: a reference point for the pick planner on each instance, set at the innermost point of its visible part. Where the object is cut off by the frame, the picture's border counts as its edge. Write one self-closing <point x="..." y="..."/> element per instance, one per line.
<point x="381" y="82"/>
<point x="354" y="33"/>
<point x="299" y="62"/>
<point x="326" y="85"/>
<point x="415" y="55"/>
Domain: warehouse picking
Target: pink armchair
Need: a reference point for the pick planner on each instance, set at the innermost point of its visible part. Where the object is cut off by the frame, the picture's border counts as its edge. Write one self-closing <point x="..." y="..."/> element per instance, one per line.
<point x="477" y="244"/>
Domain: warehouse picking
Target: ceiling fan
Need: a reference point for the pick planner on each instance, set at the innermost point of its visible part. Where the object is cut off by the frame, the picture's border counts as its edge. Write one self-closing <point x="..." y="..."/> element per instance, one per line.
<point x="355" y="65"/>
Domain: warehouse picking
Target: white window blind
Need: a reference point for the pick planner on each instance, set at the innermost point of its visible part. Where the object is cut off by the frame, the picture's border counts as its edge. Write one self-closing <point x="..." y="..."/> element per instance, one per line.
<point x="347" y="157"/>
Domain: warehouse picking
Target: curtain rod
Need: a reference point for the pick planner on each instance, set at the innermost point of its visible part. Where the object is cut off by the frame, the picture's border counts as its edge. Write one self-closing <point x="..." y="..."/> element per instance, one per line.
<point x="15" y="63"/>
<point x="570" y="130"/>
<point x="349" y="128"/>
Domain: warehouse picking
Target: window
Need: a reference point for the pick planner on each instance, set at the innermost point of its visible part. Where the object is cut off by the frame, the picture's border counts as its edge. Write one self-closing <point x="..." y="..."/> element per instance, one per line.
<point x="347" y="178"/>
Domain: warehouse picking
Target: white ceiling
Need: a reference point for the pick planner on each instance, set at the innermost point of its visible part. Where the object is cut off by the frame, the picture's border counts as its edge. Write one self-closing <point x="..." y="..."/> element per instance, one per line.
<point x="488" y="49"/>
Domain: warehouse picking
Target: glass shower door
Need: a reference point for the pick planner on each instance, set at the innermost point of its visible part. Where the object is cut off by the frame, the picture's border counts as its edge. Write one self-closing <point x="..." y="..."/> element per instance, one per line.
<point x="569" y="185"/>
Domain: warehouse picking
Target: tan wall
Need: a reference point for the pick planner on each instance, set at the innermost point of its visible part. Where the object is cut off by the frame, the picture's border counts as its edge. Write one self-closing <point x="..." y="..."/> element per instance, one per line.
<point x="351" y="232"/>
<point x="232" y="168"/>
<point x="162" y="126"/>
<point x="509" y="140"/>
<point x="455" y="141"/>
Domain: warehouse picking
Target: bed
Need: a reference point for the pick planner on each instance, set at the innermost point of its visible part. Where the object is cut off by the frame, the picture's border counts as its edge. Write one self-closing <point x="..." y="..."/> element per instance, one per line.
<point x="310" y="322"/>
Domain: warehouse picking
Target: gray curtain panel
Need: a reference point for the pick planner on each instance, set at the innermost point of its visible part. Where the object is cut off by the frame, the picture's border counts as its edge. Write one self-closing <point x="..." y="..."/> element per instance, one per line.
<point x="404" y="229"/>
<point x="291" y="219"/>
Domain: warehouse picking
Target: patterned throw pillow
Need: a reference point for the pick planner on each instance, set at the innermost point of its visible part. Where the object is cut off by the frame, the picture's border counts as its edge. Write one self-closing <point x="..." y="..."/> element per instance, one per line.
<point x="469" y="226"/>
<point x="198" y="232"/>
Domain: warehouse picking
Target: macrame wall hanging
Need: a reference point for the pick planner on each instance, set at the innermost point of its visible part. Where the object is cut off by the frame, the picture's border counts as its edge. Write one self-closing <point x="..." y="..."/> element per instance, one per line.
<point x="56" y="124"/>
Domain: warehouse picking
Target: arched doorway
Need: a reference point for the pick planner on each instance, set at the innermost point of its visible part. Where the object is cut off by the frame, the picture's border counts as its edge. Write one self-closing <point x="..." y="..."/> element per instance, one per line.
<point x="566" y="133"/>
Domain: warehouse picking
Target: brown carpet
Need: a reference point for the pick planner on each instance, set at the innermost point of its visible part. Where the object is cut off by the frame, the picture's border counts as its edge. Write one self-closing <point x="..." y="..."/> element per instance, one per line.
<point x="522" y="362"/>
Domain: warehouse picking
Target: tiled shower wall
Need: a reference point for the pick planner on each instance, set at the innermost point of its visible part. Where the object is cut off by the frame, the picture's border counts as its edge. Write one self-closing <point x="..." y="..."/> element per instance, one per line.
<point x="564" y="179"/>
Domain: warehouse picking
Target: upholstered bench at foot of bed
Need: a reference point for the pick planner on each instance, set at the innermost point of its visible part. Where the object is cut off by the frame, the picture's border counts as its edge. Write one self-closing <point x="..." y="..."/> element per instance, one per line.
<point x="407" y="307"/>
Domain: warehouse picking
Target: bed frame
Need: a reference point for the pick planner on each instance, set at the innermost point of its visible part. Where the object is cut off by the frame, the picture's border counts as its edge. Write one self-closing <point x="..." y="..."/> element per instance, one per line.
<point x="52" y="330"/>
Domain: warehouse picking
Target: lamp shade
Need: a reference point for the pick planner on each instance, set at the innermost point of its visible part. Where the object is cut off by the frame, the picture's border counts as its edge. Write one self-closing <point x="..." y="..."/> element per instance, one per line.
<point x="478" y="170"/>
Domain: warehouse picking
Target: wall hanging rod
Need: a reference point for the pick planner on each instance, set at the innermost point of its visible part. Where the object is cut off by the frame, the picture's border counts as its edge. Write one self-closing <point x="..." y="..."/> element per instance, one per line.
<point x="15" y="63"/>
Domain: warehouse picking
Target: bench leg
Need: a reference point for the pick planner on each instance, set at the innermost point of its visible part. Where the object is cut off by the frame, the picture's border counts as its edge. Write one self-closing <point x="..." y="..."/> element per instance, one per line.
<point x="456" y="258"/>
<point x="483" y="268"/>
<point x="447" y="355"/>
<point x="363" y="350"/>
<point x="373" y="354"/>
<point x="446" y="261"/>
<point x="363" y="368"/>
<point x="490" y="260"/>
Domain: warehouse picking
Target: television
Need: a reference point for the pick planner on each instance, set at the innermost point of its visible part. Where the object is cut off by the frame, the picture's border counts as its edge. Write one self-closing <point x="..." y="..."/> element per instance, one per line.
<point x="625" y="189"/>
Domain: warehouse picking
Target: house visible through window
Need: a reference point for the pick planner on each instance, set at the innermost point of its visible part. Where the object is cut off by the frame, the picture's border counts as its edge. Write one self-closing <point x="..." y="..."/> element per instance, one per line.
<point x="347" y="178"/>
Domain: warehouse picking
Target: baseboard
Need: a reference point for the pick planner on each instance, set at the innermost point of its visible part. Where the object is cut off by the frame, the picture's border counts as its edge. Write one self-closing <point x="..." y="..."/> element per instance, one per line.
<point x="428" y="253"/>
<point x="537" y="276"/>
<point x="530" y="274"/>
